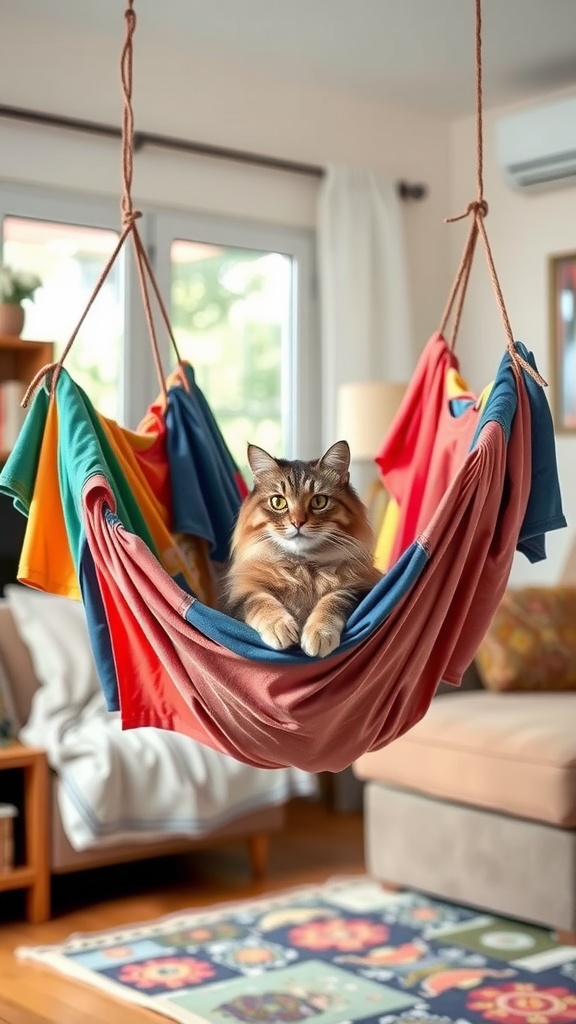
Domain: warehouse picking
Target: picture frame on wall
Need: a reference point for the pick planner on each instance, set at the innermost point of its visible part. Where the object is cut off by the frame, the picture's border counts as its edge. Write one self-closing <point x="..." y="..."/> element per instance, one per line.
<point x="562" y="300"/>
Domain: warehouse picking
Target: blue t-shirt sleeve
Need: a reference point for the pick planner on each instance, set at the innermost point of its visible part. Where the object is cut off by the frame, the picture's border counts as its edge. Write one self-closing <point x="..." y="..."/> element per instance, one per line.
<point x="544" y="511"/>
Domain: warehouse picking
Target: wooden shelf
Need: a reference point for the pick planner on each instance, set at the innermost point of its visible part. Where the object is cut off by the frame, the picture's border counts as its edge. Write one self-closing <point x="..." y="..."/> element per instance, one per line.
<point x="17" y="878"/>
<point x="15" y="755"/>
<point x="34" y="875"/>
<point x="21" y="359"/>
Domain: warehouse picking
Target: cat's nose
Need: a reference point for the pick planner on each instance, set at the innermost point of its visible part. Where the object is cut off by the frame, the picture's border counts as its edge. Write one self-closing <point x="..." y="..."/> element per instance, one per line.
<point x="297" y="521"/>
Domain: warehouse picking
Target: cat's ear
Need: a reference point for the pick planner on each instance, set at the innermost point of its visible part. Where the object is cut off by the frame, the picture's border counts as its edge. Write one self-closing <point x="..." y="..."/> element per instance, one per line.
<point x="259" y="460"/>
<point x="337" y="458"/>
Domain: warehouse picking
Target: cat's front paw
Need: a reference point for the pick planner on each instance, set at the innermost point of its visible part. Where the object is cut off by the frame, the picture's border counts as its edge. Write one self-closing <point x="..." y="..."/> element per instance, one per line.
<point x="280" y="631"/>
<point x="320" y="639"/>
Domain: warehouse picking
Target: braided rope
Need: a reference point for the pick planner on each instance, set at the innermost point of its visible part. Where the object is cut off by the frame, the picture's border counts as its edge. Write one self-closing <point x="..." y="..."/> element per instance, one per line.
<point x="130" y="216"/>
<point x="478" y="211"/>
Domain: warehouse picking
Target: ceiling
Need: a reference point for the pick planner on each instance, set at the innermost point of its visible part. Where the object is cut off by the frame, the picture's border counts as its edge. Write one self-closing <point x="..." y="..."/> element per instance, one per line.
<point x="407" y="53"/>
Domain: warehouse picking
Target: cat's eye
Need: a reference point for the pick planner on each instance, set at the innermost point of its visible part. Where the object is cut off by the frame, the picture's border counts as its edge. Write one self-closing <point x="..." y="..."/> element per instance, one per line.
<point x="318" y="501"/>
<point x="278" y="502"/>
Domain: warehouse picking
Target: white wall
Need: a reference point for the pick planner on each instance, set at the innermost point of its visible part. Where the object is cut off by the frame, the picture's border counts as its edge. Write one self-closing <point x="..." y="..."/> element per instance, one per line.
<point x="524" y="230"/>
<point x="216" y="103"/>
<point x="225" y="105"/>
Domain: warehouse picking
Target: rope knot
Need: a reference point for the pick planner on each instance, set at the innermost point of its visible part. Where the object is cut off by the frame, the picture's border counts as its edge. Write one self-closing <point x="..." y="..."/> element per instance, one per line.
<point x="519" y="362"/>
<point x="478" y="208"/>
<point x="129" y="218"/>
<point x="50" y="369"/>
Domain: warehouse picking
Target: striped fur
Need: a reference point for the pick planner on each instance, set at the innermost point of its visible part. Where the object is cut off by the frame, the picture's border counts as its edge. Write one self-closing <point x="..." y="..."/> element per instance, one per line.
<point x="302" y="551"/>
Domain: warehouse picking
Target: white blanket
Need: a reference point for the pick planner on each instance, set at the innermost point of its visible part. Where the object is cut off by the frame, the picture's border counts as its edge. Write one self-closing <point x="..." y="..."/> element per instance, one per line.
<point x="116" y="786"/>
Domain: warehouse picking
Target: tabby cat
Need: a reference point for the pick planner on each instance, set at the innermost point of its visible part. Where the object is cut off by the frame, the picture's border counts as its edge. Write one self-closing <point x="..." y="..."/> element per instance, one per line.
<point x="301" y="553"/>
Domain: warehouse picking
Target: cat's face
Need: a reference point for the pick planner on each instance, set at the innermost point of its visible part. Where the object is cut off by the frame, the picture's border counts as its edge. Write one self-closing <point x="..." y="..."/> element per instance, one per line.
<point x="303" y="508"/>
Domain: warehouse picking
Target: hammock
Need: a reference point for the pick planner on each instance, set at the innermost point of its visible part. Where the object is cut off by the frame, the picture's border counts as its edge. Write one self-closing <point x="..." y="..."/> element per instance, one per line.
<point x="170" y="661"/>
<point x="111" y="519"/>
<point x="429" y="439"/>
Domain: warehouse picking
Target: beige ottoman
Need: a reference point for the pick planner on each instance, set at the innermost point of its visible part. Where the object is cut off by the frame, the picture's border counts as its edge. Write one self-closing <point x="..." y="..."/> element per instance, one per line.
<point x="477" y="804"/>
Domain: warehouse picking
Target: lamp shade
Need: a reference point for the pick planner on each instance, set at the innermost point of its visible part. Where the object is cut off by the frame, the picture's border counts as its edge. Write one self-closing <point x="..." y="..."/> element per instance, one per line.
<point x="365" y="411"/>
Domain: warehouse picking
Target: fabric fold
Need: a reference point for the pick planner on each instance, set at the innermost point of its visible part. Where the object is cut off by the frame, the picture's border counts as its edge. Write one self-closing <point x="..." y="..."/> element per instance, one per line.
<point x="180" y="665"/>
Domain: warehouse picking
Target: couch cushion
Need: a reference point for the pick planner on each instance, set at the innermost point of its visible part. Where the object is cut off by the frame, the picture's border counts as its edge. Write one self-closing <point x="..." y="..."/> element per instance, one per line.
<point x="531" y="642"/>
<point x="514" y="753"/>
<point x="18" y="664"/>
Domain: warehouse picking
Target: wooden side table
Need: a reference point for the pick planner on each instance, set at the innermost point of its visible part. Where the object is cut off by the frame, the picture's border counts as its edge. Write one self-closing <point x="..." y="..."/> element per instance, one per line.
<point x="34" y="874"/>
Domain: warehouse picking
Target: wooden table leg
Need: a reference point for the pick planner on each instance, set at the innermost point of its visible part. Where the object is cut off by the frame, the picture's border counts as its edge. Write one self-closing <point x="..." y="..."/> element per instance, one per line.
<point x="36" y="795"/>
<point x="259" y="848"/>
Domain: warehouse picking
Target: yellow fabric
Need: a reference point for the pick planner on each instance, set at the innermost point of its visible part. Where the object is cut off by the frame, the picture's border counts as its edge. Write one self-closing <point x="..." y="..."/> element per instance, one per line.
<point x="191" y="560"/>
<point x="456" y="387"/>
<point x="485" y="395"/>
<point x="46" y="561"/>
<point x="386" y="535"/>
<point x="156" y="516"/>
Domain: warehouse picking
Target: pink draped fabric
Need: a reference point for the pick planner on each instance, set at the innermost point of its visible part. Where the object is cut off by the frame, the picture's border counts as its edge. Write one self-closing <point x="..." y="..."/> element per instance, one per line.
<point x="425" y="443"/>
<point x="318" y="715"/>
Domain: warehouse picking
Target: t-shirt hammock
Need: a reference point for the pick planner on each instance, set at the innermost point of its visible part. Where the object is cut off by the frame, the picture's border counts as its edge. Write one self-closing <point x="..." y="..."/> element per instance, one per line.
<point x="172" y="662"/>
<point x="428" y="441"/>
<point x="46" y="559"/>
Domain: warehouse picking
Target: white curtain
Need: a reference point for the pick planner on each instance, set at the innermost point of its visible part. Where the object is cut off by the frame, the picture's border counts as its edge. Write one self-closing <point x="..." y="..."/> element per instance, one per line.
<point x="364" y="301"/>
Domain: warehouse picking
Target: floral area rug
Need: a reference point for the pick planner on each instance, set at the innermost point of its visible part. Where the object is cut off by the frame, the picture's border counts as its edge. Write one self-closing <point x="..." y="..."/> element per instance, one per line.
<point x="341" y="952"/>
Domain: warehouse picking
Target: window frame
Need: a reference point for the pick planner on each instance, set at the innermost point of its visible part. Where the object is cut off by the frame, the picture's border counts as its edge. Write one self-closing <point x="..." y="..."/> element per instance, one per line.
<point x="159" y="226"/>
<point x="300" y="381"/>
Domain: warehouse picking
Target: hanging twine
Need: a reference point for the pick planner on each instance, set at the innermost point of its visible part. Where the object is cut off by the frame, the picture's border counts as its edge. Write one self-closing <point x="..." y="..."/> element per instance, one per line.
<point x="130" y="216"/>
<point x="477" y="210"/>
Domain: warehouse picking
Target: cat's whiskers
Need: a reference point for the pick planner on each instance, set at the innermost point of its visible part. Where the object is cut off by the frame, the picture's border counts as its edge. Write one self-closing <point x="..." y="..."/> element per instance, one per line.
<point x="298" y="543"/>
<point x="344" y="542"/>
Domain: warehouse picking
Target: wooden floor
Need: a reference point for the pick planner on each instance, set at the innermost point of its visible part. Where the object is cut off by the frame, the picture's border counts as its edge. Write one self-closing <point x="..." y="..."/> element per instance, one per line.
<point x="316" y="845"/>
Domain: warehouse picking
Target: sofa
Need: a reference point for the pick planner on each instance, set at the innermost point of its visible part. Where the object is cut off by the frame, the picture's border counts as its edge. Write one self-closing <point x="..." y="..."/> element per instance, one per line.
<point x="27" y="662"/>
<point x="477" y="803"/>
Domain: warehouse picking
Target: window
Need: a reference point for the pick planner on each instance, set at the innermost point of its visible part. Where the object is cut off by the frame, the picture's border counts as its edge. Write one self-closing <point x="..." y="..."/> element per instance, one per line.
<point x="239" y="296"/>
<point x="241" y="310"/>
<point x="69" y="260"/>
<point x="231" y="321"/>
<point x="67" y="243"/>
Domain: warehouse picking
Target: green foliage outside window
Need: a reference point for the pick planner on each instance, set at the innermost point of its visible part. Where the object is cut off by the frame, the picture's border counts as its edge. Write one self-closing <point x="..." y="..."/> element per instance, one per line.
<point x="230" y="331"/>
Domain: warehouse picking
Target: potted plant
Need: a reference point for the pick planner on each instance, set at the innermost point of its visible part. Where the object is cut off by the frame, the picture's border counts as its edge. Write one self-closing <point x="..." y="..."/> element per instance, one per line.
<point x="15" y="286"/>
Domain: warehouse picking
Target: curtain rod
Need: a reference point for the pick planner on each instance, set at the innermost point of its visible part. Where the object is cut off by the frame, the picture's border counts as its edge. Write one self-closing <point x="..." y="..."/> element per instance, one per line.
<point x="406" y="190"/>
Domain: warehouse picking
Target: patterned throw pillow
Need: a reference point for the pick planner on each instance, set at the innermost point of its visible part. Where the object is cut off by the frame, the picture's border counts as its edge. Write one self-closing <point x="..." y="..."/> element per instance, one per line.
<point x="531" y="643"/>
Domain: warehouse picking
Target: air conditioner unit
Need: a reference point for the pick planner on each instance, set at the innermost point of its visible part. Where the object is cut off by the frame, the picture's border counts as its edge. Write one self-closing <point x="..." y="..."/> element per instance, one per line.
<point x="537" y="147"/>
